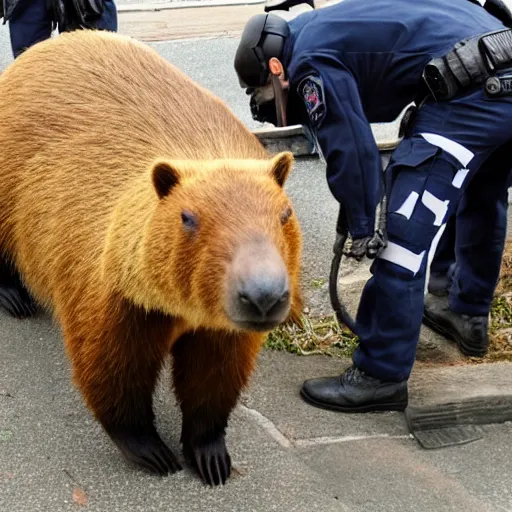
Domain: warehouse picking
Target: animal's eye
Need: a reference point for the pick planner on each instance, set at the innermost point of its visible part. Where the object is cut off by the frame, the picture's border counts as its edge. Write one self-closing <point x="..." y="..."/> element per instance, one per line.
<point x="189" y="220"/>
<point x="286" y="214"/>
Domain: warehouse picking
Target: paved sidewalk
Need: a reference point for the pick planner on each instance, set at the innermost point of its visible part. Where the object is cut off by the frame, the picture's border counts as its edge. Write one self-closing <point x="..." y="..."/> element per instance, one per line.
<point x="287" y="455"/>
<point x="148" y="4"/>
<point x="164" y="21"/>
<point x="204" y="22"/>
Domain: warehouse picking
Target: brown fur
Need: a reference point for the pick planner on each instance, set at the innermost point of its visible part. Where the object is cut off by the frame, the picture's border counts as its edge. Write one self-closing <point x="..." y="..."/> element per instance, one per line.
<point x="91" y="125"/>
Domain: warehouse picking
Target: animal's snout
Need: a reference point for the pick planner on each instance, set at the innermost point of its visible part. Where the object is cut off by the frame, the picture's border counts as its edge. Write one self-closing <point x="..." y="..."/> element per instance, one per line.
<point x="264" y="297"/>
<point x="259" y="288"/>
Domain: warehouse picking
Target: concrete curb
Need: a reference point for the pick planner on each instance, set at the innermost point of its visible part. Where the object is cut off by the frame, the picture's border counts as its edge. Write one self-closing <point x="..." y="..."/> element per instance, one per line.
<point x="184" y="4"/>
<point x="479" y="410"/>
<point x="294" y="139"/>
<point x="442" y="397"/>
<point x="452" y="403"/>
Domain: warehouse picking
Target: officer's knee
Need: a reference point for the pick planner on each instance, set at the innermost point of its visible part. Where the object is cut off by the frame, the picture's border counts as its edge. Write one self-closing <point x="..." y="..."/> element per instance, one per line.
<point x="424" y="183"/>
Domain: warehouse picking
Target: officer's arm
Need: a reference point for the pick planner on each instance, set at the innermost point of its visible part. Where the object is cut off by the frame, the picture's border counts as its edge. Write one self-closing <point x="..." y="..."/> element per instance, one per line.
<point x="346" y="140"/>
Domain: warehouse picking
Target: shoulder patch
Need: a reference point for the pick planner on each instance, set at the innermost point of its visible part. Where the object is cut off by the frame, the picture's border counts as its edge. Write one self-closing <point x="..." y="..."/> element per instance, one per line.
<point x="311" y="90"/>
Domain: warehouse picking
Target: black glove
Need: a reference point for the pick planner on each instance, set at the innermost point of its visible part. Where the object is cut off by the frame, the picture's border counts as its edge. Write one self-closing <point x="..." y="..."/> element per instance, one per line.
<point x="369" y="246"/>
<point x="376" y="245"/>
<point x="357" y="249"/>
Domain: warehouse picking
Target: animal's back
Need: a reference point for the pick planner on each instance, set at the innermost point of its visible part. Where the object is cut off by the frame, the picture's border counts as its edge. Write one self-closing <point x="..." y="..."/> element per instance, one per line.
<point x="82" y="116"/>
<point x="124" y="92"/>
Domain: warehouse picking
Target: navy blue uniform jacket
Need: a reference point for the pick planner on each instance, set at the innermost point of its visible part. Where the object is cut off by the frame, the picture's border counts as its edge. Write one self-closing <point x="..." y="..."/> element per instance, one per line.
<point x="369" y="55"/>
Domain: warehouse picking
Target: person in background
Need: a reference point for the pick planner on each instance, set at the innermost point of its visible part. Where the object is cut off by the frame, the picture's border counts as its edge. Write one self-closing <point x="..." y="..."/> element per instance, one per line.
<point x="32" y="21"/>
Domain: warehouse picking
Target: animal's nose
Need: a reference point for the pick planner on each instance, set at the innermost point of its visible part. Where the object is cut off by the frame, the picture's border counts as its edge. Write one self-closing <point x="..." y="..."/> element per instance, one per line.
<point x="264" y="298"/>
<point x="258" y="287"/>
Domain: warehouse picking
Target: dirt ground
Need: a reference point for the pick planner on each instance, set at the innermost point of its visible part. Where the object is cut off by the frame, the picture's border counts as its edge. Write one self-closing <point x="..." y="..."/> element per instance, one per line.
<point x="326" y="336"/>
<point x="501" y="313"/>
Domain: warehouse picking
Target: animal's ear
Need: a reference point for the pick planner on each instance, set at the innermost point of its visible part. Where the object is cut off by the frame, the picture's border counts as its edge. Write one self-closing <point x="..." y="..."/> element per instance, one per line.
<point x="165" y="176"/>
<point x="281" y="165"/>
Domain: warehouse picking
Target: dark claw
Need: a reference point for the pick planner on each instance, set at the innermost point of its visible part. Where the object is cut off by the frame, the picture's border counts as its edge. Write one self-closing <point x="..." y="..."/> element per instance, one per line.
<point x="146" y="449"/>
<point x="17" y="302"/>
<point x="218" y="472"/>
<point x="213" y="476"/>
<point x="226" y="466"/>
<point x="211" y="460"/>
<point x="146" y="463"/>
<point x="169" y="458"/>
<point x="199" y="464"/>
<point x="153" y="463"/>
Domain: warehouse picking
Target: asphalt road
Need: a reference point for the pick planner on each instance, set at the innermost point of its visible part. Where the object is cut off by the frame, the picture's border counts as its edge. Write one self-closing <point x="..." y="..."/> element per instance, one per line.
<point x="288" y="457"/>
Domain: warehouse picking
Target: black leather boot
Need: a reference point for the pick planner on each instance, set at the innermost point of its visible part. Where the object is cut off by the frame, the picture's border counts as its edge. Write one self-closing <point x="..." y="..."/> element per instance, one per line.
<point x="355" y="391"/>
<point x="469" y="332"/>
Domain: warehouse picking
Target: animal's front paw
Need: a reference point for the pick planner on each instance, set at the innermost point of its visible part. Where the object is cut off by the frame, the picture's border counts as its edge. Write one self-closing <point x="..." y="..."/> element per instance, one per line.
<point x="211" y="460"/>
<point x="145" y="448"/>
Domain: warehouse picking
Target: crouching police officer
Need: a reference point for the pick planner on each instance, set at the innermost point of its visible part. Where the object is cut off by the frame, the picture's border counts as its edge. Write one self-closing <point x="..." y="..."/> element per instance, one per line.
<point x="339" y="68"/>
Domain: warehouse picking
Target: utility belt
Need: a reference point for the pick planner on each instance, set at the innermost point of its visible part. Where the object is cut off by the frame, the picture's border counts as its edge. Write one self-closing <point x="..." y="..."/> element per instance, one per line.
<point x="71" y="14"/>
<point x="474" y="61"/>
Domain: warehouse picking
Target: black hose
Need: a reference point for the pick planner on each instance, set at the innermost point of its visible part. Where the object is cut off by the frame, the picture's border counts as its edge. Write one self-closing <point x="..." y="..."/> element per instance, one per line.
<point x="342" y="314"/>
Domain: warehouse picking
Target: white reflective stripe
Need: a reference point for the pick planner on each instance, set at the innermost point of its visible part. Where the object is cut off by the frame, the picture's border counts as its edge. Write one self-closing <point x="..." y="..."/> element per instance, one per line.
<point x="401" y="256"/>
<point x="459" y="177"/>
<point x="408" y="207"/>
<point x="462" y="154"/>
<point x="432" y="252"/>
<point x="436" y="206"/>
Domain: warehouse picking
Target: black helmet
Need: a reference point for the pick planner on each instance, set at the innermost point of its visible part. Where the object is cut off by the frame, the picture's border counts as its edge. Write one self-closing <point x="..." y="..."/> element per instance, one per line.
<point x="263" y="38"/>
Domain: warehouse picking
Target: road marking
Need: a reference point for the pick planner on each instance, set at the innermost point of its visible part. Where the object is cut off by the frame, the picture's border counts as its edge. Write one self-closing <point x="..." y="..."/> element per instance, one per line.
<point x="280" y="438"/>
<point x="267" y="425"/>
<point x="302" y="443"/>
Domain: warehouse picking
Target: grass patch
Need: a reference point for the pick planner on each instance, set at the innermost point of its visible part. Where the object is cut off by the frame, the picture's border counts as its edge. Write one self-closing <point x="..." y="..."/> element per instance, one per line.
<point x="500" y="329"/>
<point x="324" y="335"/>
<point x="318" y="335"/>
<point x="318" y="283"/>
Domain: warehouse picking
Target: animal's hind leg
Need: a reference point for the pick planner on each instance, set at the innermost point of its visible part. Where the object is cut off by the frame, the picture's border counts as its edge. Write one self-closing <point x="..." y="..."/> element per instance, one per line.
<point x="14" y="297"/>
<point x="210" y="369"/>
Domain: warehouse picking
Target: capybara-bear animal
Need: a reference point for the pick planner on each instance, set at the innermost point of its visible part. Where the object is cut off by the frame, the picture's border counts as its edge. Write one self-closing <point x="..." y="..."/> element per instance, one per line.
<point x="139" y="211"/>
